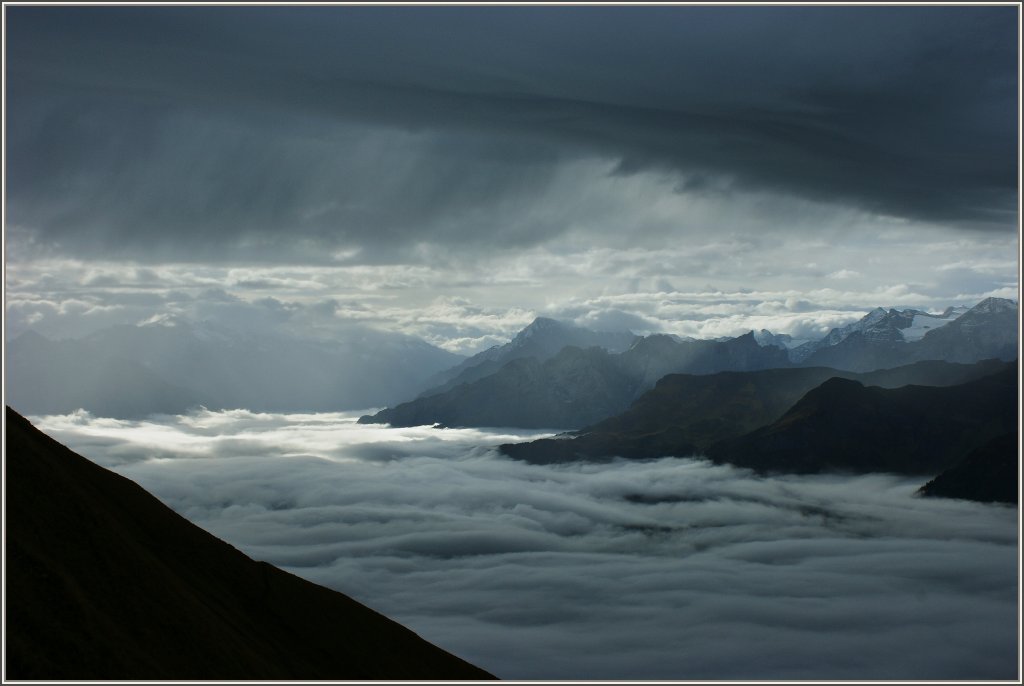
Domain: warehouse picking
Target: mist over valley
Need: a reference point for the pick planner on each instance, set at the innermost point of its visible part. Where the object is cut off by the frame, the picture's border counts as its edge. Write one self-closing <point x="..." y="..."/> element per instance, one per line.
<point x="657" y="569"/>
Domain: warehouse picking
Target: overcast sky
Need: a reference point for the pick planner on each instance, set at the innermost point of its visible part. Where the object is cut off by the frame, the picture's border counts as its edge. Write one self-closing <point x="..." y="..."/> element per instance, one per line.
<point x="452" y="172"/>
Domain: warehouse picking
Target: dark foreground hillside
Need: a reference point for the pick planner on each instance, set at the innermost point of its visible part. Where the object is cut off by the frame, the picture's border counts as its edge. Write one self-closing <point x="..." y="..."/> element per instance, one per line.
<point x="105" y="582"/>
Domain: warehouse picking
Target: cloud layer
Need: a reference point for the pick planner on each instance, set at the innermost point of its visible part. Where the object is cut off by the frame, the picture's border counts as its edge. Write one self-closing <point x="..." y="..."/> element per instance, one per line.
<point x="252" y="133"/>
<point x="724" y="287"/>
<point x="453" y="172"/>
<point x="664" y="569"/>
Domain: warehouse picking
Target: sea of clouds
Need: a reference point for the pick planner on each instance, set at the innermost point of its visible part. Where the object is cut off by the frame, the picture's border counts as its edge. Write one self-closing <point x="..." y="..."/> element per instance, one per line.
<point x="660" y="569"/>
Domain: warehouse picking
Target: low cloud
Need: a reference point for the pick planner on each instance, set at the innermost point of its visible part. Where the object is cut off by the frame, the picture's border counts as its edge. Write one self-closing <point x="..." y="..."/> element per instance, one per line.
<point x="662" y="569"/>
<point x="721" y="287"/>
<point x="617" y="320"/>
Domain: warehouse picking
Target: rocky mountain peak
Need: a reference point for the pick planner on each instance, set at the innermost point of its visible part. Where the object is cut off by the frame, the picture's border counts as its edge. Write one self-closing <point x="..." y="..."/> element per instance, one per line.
<point x="994" y="306"/>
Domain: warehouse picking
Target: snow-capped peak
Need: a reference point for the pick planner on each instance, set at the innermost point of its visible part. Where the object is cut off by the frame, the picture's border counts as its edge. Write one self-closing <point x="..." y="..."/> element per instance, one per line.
<point x="871" y="318"/>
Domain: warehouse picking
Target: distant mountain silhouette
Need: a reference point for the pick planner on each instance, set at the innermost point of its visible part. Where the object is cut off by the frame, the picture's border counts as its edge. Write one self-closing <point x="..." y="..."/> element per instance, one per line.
<point x="106" y="583"/>
<point x="576" y="387"/>
<point x="485" y="391"/>
<point x="989" y="329"/>
<point x="655" y="356"/>
<point x="573" y="388"/>
<point x="888" y="339"/>
<point x="989" y="474"/>
<point x="878" y="326"/>
<point x="685" y="414"/>
<point x="858" y="352"/>
<point x="541" y="340"/>
<point x="844" y="426"/>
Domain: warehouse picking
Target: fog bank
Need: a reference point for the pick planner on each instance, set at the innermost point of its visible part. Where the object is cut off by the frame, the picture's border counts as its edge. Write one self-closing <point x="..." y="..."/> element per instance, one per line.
<point x="663" y="569"/>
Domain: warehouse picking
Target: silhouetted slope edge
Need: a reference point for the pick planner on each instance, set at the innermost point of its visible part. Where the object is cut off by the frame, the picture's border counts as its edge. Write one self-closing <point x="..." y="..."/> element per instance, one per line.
<point x="843" y="425"/>
<point x="685" y="414"/>
<point x="105" y="582"/>
<point x="989" y="474"/>
<point x="839" y="425"/>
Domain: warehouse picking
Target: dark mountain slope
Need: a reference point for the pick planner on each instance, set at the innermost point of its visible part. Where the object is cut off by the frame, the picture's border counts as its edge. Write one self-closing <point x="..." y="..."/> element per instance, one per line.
<point x="681" y="415"/>
<point x="881" y="340"/>
<point x="685" y="414"/>
<point x="845" y="426"/>
<point x="657" y="355"/>
<point x="574" y="388"/>
<point x="542" y="339"/>
<point x="989" y="474"/>
<point x="932" y="373"/>
<point x="989" y="329"/>
<point x="859" y="352"/>
<point x="104" y="582"/>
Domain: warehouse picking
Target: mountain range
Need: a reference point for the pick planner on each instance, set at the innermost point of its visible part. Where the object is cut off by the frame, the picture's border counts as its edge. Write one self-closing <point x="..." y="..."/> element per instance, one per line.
<point x="894" y="337"/>
<point x="541" y="340"/>
<point x="685" y="414"/>
<point x="576" y="388"/>
<point x="844" y="426"/>
<point x="881" y="326"/>
<point x="550" y="375"/>
<point x="962" y="427"/>
<point x="104" y="582"/>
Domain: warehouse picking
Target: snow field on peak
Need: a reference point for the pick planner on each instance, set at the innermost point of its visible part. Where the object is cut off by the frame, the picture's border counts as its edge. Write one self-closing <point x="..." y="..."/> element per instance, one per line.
<point x="923" y="323"/>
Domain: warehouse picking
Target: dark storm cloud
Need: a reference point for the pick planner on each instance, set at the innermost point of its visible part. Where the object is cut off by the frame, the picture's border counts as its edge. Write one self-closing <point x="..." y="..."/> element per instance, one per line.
<point x="257" y="131"/>
<point x="661" y="569"/>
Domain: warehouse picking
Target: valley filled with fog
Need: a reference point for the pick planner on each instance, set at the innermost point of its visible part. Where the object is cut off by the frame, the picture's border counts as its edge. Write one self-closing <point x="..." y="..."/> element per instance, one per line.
<point x="670" y="568"/>
<point x="586" y="341"/>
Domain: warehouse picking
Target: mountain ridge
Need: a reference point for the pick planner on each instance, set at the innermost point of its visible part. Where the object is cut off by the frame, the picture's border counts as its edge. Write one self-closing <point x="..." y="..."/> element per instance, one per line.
<point x="894" y="337"/>
<point x="685" y="414"/>
<point x="877" y="341"/>
<point x="565" y="392"/>
<point x="844" y="425"/>
<point x="542" y="339"/>
<point x="987" y="474"/>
